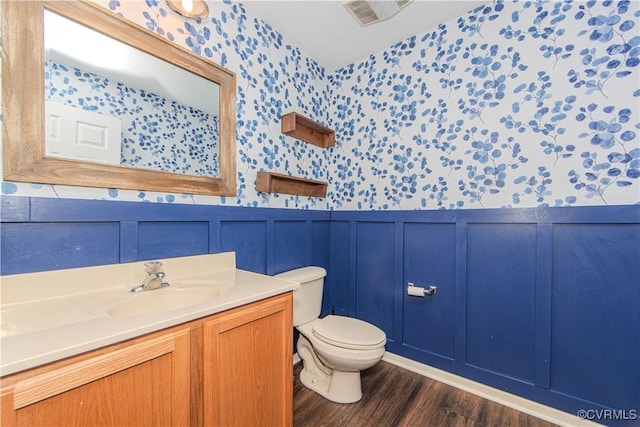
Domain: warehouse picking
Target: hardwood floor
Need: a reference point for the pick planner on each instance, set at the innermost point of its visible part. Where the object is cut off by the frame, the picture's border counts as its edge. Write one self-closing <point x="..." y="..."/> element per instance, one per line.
<point x="393" y="396"/>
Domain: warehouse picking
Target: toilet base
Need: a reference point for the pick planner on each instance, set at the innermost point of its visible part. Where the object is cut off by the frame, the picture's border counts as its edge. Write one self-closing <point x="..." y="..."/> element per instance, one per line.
<point x="339" y="386"/>
<point x="334" y="385"/>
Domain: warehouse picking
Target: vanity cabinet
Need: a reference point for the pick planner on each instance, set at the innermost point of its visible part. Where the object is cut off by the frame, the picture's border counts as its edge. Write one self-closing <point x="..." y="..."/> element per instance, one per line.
<point x="248" y="367"/>
<point x="142" y="382"/>
<point x="231" y="368"/>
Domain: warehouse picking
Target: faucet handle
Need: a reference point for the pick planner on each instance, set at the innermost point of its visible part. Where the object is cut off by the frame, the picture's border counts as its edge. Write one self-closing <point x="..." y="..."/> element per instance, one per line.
<point x="153" y="266"/>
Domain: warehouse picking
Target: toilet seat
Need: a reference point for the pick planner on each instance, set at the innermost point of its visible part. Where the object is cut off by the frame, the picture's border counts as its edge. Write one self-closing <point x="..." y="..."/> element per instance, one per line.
<point x="350" y="333"/>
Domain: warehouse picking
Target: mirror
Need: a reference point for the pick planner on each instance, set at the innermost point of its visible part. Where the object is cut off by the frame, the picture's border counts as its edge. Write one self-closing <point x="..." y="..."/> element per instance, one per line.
<point x="108" y="102"/>
<point x="27" y="123"/>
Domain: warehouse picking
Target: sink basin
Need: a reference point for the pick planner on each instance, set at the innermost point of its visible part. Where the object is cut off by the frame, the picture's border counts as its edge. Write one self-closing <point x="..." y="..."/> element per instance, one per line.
<point x="161" y="300"/>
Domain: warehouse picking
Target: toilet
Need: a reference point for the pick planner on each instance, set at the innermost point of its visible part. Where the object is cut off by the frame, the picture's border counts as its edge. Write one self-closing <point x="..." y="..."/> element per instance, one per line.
<point x="334" y="349"/>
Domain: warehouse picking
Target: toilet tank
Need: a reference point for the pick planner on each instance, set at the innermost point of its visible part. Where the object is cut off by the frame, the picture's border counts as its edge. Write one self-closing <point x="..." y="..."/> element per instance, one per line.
<point x="307" y="299"/>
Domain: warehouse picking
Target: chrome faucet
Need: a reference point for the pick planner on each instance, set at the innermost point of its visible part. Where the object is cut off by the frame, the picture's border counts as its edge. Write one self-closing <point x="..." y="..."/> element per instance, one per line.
<point x="154" y="279"/>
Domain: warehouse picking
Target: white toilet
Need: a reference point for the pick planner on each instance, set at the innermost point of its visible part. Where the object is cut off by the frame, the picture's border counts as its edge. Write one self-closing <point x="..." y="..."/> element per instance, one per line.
<point x="334" y="349"/>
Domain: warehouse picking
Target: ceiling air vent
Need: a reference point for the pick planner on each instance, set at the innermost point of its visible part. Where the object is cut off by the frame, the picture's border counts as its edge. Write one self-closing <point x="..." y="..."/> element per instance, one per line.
<point x="372" y="11"/>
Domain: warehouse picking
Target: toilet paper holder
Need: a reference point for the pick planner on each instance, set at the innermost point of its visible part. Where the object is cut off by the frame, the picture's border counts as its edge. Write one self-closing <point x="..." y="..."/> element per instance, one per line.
<point x="419" y="291"/>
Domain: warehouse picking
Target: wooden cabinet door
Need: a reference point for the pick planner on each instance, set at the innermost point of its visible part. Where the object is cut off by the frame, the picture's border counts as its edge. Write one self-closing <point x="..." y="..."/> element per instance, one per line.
<point x="144" y="383"/>
<point x="247" y="365"/>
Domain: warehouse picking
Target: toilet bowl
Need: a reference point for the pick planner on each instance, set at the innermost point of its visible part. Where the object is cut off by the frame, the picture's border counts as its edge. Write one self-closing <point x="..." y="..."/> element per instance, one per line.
<point x="334" y="349"/>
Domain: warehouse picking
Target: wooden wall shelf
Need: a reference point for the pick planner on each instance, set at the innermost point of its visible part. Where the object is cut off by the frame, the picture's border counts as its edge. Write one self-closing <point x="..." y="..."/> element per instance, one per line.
<point x="269" y="182"/>
<point x="305" y="129"/>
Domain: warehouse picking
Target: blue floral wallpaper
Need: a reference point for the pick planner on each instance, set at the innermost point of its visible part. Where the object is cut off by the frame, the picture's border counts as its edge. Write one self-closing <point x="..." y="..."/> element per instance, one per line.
<point x="514" y="104"/>
<point x="157" y="133"/>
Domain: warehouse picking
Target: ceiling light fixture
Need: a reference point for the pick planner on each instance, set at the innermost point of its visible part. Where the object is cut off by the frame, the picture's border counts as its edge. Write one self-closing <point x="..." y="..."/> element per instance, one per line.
<point x="191" y="9"/>
<point x="368" y="12"/>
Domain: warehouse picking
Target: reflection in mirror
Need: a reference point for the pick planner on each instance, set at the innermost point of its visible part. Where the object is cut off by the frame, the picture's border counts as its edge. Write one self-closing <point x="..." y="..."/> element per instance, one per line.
<point x="26" y="158"/>
<point x="108" y="102"/>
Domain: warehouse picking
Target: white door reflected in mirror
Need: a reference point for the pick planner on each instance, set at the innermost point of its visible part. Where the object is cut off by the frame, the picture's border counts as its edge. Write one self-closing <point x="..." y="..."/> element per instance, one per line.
<point x="74" y="133"/>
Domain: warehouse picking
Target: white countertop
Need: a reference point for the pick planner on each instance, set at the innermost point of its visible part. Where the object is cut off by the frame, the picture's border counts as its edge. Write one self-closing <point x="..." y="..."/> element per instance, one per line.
<point x="52" y="315"/>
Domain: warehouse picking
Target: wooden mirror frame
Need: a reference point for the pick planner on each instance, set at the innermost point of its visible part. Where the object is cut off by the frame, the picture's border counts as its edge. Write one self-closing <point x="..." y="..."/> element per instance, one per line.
<point x="23" y="126"/>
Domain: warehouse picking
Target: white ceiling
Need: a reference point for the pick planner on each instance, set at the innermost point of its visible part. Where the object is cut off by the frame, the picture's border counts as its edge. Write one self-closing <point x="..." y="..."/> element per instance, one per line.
<point x="327" y="32"/>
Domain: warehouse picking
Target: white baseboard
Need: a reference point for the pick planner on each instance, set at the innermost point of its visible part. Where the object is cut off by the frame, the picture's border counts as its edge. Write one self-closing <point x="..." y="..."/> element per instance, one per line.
<point x="502" y="397"/>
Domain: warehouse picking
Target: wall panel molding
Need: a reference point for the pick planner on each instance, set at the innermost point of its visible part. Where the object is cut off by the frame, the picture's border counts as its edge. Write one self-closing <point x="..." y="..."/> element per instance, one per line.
<point x="40" y="234"/>
<point x="568" y="357"/>
<point x="544" y="265"/>
<point x="571" y="298"/>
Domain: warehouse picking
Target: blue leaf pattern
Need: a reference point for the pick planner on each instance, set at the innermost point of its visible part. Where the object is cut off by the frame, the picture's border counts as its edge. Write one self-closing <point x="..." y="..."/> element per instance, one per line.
<point x="512" y="113"/>
<point x="514" y="104"/>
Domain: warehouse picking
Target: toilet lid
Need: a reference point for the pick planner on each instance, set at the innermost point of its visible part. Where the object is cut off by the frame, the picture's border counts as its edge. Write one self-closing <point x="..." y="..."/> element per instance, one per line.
<point x="348" y="332"/>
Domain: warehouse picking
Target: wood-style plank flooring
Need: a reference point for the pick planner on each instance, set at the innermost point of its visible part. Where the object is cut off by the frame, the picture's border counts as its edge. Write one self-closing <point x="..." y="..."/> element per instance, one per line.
<point x="393" y="396"/>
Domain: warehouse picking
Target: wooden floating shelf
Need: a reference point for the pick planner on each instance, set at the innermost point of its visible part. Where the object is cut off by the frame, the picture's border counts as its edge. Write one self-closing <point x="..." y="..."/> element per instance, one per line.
<point x="269" y="182"/>
<point x="305" y="129"/>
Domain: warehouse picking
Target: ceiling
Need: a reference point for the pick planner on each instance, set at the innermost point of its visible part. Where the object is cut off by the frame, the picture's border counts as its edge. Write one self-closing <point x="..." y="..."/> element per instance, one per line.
<point x="326" y="31"/>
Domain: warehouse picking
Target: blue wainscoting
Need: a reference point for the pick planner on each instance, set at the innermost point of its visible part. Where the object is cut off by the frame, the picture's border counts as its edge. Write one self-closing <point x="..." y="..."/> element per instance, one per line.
<point x="543" y="303"/>
<point x="40" y="234"/>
